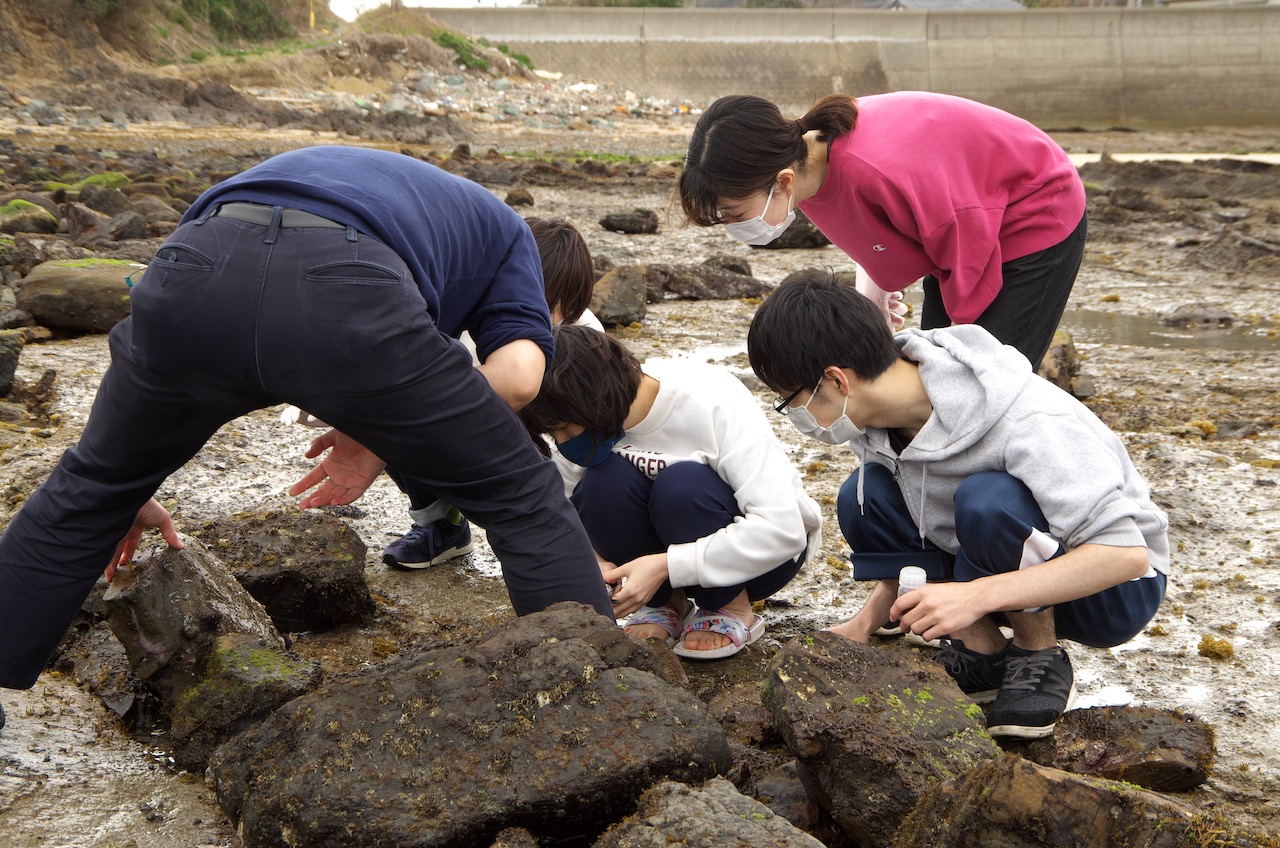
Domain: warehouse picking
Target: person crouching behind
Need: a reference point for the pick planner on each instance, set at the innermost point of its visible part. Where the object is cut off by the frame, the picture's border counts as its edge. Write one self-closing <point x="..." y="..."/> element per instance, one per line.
<point x="1021" y="505"/>
<point x="694" y="510"/>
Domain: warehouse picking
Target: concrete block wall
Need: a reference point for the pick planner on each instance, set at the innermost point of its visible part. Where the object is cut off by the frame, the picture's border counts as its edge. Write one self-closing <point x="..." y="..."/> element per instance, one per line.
<point x="1140" y="68"/>
<point x="1065" y="67"/>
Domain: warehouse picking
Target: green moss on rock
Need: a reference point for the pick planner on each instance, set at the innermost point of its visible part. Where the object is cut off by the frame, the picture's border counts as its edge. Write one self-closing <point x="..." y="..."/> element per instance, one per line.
<point x="107" y="179"/>
<point x="21" y="207"/>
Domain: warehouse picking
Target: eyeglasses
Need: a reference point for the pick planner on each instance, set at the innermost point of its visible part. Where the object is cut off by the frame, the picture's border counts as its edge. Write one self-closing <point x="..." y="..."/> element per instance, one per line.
<point x="782" y="405"/>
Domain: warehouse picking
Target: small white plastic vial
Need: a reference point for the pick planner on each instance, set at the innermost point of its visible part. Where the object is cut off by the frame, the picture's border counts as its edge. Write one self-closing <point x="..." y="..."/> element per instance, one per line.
<point x="911" y="577"/>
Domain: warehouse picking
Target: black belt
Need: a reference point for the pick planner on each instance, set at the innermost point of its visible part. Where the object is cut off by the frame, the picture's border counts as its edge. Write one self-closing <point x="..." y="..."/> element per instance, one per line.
<point x="256" y="213"/>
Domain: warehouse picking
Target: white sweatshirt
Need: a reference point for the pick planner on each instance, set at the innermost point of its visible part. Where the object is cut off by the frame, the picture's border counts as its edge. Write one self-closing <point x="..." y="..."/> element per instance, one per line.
<point x="704" y="414"/>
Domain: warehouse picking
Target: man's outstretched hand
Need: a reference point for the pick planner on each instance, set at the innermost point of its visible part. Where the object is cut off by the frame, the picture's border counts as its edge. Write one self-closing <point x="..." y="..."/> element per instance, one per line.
<point x="151" y="516"/>
<point x="344" y="473"/>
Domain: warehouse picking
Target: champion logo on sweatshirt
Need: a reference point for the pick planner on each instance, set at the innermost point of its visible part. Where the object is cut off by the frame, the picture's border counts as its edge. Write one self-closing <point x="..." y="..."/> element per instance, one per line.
<point x="879" y="248"/>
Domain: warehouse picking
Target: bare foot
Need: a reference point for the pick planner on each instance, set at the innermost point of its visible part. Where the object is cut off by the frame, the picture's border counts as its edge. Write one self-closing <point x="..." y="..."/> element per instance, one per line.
<point x="678" y="607"/>
<point x="851" y="629"/>
<point x="705" y="640"/>
<point x="647" y="631"/>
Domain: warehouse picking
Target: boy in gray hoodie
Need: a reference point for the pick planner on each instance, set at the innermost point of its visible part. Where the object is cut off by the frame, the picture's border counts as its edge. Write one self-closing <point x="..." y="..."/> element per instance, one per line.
<point x="1023" y="507"/>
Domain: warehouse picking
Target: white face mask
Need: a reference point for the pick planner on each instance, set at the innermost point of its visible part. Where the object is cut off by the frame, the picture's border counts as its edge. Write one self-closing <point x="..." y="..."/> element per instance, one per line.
<point x="758" y="231"/>
<point x="841" y="430"/>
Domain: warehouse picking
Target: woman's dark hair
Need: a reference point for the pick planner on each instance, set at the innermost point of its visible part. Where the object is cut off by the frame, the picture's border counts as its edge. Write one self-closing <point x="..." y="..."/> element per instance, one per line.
<point x="567" y="271"/>
<point x="812" y="320"/>
<point x="592" y="381"/>
<point x="741" y="143"/>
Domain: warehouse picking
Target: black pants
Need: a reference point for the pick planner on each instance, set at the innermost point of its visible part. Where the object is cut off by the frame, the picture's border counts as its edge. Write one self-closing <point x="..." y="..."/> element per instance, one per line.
<point x="629" y="515"/>
<point x="1026" y="312"/>
<point x="233" y="316"/>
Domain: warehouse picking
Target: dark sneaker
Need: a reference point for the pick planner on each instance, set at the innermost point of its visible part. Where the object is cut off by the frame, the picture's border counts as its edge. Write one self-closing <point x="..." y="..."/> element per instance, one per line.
<point x="423" y="547"/>
<point x="1038" y="688"/>
<point x="1" y="716"/>
<point x="978" y="675"/>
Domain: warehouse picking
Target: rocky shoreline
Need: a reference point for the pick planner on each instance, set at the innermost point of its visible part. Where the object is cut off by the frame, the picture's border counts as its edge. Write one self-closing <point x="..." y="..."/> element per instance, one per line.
<point x="1196" y="398"/>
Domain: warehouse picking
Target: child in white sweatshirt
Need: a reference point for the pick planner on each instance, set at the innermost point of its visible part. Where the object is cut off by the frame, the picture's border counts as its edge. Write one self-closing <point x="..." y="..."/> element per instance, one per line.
<point x="682" y="488"/>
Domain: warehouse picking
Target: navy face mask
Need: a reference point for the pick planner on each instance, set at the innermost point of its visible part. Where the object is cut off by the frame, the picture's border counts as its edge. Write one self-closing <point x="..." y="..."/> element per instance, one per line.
<point x="587" y="448"/>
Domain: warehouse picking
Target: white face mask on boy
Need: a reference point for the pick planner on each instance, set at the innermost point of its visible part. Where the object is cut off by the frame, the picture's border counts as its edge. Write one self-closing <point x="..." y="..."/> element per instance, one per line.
<point x="758" y="231"/>
<point x="841" y="430"/>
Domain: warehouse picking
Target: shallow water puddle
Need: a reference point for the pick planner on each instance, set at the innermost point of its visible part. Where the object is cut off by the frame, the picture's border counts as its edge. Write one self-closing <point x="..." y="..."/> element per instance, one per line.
<point x="712" y="352"/>
<point x="1091" y="327"/>
<point x="1111" y="695"/>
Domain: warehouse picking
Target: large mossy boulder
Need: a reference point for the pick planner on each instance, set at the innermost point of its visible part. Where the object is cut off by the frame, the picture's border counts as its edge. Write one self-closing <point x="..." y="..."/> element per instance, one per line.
<point x="538" y="725"/>
<point x="89" y="295"/>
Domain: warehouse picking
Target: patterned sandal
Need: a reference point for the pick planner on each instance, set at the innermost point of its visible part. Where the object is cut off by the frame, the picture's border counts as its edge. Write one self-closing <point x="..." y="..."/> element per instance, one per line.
<point x="664" y="616"/>
<point x="721" y="621"/>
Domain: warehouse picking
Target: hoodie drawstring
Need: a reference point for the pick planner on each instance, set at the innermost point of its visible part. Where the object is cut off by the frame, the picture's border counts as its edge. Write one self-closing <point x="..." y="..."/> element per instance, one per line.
<point x="862" y="462"/>
<point x="924" y="479"/>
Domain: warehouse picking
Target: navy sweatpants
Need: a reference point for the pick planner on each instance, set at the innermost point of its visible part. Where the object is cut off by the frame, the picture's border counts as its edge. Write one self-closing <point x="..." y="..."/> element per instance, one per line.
<point x="1001" y="529"/>
<point x="627" y="515"/>
<point x="233" y="316"/>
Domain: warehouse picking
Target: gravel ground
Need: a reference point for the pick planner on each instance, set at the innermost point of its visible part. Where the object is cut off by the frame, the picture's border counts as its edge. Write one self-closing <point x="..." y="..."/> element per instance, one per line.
<point x="1199" y="412"/>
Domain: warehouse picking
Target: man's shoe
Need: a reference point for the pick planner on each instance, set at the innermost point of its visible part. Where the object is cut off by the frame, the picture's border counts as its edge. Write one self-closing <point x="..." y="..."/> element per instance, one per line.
<point x="889" y="628"/>
<point x="423" y="547"/>
<point x="1038" y="688"/>
<point x="921" y="642"/>
<point x="1" y="716"/>
<point x="978" y="675"/>
<point x="894" y="628"/>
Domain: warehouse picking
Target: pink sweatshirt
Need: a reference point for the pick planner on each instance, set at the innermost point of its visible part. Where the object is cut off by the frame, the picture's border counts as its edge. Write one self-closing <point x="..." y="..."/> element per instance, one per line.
<point x="935" y="184"/>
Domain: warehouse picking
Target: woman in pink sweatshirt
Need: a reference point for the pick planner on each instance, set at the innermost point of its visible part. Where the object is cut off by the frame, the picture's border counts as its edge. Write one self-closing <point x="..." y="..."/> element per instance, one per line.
<point x="981" y="204"/>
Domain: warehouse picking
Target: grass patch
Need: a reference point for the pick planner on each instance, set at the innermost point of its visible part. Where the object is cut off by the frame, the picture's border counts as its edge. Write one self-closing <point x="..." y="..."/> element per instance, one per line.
<point x="463" y="47"/>
<point x="518" y="58"/>
<point x="254" y="20"/>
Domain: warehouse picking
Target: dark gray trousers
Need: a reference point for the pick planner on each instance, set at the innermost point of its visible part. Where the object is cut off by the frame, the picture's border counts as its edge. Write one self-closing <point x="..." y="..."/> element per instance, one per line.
<point x="232" y="316"/>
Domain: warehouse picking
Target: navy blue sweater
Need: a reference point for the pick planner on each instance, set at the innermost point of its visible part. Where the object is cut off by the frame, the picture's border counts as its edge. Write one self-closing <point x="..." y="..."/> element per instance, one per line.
<point x="472" y="256"/>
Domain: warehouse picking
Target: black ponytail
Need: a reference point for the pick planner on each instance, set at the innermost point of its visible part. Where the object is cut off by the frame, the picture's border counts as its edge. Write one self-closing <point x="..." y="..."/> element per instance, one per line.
<point x="741" y="143"/>
<point x="832" y="116"/>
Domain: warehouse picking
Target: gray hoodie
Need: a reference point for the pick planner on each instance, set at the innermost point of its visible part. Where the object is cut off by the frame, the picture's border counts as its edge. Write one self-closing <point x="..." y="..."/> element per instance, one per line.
<point x="991" y="413"/>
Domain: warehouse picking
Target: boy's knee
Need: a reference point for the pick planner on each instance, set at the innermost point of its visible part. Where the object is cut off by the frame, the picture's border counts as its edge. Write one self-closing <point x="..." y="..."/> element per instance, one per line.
<point x="988" y="493"/>
<point x="680" y="476"/>
<point x="688" y="490"/>
<point x="877" y="486"/>
<point x="847" y="507"/>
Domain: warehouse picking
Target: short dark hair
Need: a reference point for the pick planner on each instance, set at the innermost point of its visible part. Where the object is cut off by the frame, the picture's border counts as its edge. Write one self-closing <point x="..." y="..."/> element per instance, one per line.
<point x="592" y="381"/>
<point x="810" y="321"/>
<point x="568" y="274"/>
<point x="741" y="143"/>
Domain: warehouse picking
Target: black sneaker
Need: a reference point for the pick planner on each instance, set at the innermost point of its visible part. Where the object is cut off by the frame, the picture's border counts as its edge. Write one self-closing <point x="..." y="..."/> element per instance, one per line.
<point x="423" y="547"/>
<point x="1038" y="688"/>
<point x="978" y="675"/>
<point x="1" y="716"/>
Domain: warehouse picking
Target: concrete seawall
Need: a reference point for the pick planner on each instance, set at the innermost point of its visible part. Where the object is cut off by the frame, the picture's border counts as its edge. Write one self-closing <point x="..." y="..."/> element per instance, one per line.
<point x="1091" y="68"/>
